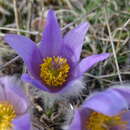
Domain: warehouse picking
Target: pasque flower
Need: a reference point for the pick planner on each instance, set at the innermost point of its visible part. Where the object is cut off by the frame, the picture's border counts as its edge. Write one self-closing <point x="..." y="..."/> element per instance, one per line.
<point x="13" y="106"/>
<point x="54" y="65"/>
<point x="107" y="110"/>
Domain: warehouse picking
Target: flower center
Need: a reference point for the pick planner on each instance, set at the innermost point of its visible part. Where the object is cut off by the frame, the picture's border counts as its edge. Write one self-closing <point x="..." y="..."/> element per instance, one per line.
<point x="54" y="71"/>
<point x="7" y="114"/>
<point x="98" y="121"/>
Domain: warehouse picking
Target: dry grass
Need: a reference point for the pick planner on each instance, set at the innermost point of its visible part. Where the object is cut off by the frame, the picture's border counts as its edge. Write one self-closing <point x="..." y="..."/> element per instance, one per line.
<point x="109" y="32"/>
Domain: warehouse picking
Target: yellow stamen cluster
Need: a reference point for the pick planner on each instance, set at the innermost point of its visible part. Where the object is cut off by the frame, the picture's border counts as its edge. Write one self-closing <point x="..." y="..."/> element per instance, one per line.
<point x="98" y="121"/>
<point x="54" y="71"/>
<point x="7" y="114"/>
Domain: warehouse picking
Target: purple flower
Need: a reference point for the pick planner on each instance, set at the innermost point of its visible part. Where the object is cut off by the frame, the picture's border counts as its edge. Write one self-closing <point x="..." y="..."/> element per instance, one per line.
<point x="13" y="106"/>
<point x="54" y="65"/>
<point x="107" y="110"/>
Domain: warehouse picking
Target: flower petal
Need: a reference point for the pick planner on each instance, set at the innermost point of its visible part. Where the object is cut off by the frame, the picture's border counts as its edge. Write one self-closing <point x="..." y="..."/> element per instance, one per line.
<point x="27" y="49"/>
<point x="2" y="92"/>
<point x="40" y="85"/>
<point x="52" y="39"/>
<point x="67" y="52"/>
<point x="74" y="39"/>
<point x="35" y="82"/>
<point x="73" y="87"/>
<point x="76" y="122"/>
<point x="18" y="100"/>
<point x="88" y="62"/>
<point x="79" y="119"/>
<point x="126" y="117"/>
<point x="125" y="92"/>
<point x="12" y="83"/>
<point x="22" y="123"/>
<point x="19" y="103"/>
<point x="108" y="102"/>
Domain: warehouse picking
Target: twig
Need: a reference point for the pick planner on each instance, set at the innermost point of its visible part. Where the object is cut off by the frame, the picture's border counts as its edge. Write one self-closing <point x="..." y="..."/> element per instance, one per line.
<point x="128" y="22"/>
<point x="16" y="15"/>
<point x="9" y="62"/>
<point x="107" y="76"/>
<point x="107" y="40"/>
<point x="113" y="47"/>
<point x="19" y="30"/>
<point x="82" y="17"/>
<point x="100" y="78"/>
<point x="67" y="26"/>
<point x="29" y="16"/>
<point x="69" y="4"/>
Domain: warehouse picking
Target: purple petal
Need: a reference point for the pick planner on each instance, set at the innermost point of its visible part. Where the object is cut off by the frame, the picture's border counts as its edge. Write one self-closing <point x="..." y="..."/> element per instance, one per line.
<point x="74" y="39"/>
<point x="72" y="87"/>
<point x="27" y="49"/>
<point x="13" y="84"/>
<point x="40" y="85"/>
<point x="88" y="62"/>
<point x="22" y="123"/>
<point x="52" y="39"/>
<point x="76" y="122"/>
<point x="79" y="119"/>
<point x="125" y="92"/>
<point x="126" y="117"/>
<point x="117" y="128"/>
<point x="67" y="52"/>
<point x="2" y="92"/>
<point x="35" y="82"/>
<point x="108" y="102"/>
<point x="7" y="94"/>
<point x="19" y="103"/>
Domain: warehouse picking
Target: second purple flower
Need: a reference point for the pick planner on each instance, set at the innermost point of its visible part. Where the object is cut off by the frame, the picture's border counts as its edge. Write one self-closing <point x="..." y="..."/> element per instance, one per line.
<point x="107" y="110"/>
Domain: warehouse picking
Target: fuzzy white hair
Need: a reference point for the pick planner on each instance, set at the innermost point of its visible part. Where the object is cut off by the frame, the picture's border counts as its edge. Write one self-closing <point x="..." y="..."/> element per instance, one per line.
<point x="73" y="89"/>
<point x="68" y="118"/>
